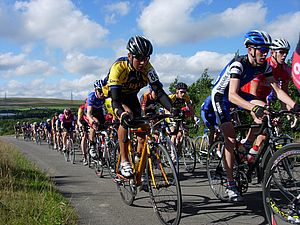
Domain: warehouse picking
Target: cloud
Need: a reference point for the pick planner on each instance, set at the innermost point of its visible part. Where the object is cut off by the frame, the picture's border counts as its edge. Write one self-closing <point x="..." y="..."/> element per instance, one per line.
<point x="117" y="9"/>
<point x="56" y="22"/>
<point x="189" y="69"/>
<point x="176" y="23"/>
<point x="83" y="64"/>
<point x="289" y="23"/>
<point x="17" y="65"/>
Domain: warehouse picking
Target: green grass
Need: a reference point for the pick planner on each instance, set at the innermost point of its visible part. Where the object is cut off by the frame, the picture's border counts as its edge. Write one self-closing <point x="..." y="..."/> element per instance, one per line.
<point x="26" y="103"/>
<point x="27" y="195"/>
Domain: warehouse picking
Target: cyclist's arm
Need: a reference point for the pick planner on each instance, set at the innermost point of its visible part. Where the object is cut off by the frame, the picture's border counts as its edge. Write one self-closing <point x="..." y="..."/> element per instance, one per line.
<point x="116" y="94"/>
<point x="162" y="97"/>
<point x="281" y="95"/>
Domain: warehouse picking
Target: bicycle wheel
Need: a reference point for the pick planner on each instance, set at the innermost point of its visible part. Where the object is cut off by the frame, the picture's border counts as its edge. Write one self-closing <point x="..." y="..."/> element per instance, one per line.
<point x="188" y="154"/>
<point x="169" y="145"/>
<point x="72" y="151"/>
<point x="110" y="157"/>
<point x="201" y="145"/>
<point x="126" y="187"/>
<point x="281" y="186"/>
<point x="215" y="171"/>
<point x="98" y="163"/>
<point x="164" y="187"/>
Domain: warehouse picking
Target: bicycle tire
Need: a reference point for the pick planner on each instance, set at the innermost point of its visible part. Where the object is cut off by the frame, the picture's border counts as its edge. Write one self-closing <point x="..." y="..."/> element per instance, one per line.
<point x="215" y="170"/>
<point x="281" y="185"/>
<point x="72" y="151"/>
<point x="201" y="144"/>
<point x="164" y="187"/>
<point x="111" y="157"/>
<point x="188" y="154"/>
<point x="98" y="163"/>
<point x="169" y="145"/>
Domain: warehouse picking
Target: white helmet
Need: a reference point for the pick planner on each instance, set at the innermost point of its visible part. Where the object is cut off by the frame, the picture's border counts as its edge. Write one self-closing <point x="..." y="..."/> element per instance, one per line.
<point x="280" y="44"/>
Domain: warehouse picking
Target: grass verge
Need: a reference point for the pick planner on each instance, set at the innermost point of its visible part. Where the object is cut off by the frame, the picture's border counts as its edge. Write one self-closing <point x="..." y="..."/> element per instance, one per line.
<point x="27" y="195"/>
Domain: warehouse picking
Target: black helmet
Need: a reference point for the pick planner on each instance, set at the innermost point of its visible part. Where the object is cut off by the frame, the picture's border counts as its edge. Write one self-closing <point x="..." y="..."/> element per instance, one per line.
<point x="181" y="85"/>
<point x="139" y="45"/>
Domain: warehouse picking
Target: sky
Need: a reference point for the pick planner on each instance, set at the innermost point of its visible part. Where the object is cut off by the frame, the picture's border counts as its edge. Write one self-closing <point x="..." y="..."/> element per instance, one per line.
<point x="58" y="48"/>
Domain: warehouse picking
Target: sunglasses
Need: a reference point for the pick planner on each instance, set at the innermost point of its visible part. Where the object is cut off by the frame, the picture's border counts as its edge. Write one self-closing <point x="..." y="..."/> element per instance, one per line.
<point x="141" y="58"/>
<point x="182" y="92"/>
<point x="263" y="50"/>
<point x="282" y="52"/>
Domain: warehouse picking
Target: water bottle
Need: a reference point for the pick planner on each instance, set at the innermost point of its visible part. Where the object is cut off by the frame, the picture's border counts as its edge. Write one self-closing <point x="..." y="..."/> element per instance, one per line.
<point x="253" y="153"/>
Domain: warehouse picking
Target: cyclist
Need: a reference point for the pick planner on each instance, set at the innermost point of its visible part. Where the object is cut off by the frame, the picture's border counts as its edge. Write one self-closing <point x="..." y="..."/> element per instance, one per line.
<point x="17" y="128"/>
<point x="95" y="113"/>
<point x="296" y="66"/>
<point x="126" y="77"/>
<point x="209" y="118"/>
<point x="48" y="131"/>
<point x="237" y="73"/>
<point x="67" y="126"/>
<point x="83" y="129"/>
<point x="181" y="100"/>
<point x="54" y="130"/>
<point x="148" y="102"/>
<point x="281" y="73"/>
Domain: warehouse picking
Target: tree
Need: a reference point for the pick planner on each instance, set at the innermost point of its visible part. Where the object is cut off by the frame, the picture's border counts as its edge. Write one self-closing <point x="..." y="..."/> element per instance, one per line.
<point x="172" y="87"/>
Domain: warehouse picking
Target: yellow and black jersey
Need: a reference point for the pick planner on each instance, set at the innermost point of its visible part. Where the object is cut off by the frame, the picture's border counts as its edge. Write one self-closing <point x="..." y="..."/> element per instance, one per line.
<point x="122" y="75"/>
<point x="178" y="102"/>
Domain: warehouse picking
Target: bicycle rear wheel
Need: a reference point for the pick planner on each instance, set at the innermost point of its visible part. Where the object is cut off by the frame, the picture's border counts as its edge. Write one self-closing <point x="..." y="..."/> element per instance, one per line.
<point x="281" y="186"/>
<point x="188" y="154"/>
<point x="215" y="170"/>
<point x="164" y="187"/>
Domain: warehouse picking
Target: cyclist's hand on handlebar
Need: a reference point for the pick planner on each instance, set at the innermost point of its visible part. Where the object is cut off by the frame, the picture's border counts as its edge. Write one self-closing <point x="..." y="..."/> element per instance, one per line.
<point x="126" y="119"/>
<point x="259" y="111"/>
<point x="95" y="125"/>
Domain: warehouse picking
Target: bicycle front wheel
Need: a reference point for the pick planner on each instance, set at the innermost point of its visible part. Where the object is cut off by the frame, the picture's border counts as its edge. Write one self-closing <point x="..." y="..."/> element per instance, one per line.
<point x="215" y="170"/>
<point x="164" y="187"/>
<point x="281" y="186"/>
<point x="188" y="154"/>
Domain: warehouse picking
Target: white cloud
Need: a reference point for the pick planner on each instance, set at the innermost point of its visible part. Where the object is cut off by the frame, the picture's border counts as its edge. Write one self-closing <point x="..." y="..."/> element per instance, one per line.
<point x="83" y="64"/>
<point x="17" y="65"/>
<point x="56" y="22"/>
<point x="286" y="26"/>
<point x="117" y="9"/>
<point x="189" y="69"/>
<point x="174" y="23"/>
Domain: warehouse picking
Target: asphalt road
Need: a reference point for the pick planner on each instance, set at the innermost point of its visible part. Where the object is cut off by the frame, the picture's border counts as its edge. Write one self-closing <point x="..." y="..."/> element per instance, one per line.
<point x="97" y="200"/>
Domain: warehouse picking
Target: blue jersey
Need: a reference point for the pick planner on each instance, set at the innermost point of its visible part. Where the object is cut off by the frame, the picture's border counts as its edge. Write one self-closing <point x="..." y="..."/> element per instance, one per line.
<point x="95" y="102"/>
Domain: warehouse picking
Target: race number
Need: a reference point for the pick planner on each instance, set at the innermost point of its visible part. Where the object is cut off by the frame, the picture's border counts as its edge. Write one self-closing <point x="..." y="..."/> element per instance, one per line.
<point x="152" y="76"/>
<point x="296" y="69"/>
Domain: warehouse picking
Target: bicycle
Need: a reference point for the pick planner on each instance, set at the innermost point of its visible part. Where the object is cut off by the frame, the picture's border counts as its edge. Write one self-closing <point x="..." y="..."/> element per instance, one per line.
<point x="201" y="145"/>
<point x="281" y="186"/>
<point x="69" y="151"/>
<point x="161" y="177"/>
<point x="243" y="171"/>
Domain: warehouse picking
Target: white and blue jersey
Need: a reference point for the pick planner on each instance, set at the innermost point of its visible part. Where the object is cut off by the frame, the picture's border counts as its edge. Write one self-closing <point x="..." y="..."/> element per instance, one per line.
<point x="96" y="103"/>
<point x="239" y="68"/>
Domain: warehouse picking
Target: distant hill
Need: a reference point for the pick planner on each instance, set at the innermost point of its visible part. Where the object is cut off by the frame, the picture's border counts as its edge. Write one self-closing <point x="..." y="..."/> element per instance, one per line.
<point x="27" y="103"/>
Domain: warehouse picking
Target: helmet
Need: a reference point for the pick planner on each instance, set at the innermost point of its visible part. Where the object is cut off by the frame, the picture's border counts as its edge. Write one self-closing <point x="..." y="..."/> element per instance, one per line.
<point x="139" y="45"/>
<point x="257" y="38"/>
<point x="98" y="84"/>
<point x="67" y="111"/>
<point x="48" y="120"/>
<point x="181" y="85"/>
<point x="280" y="43"/>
